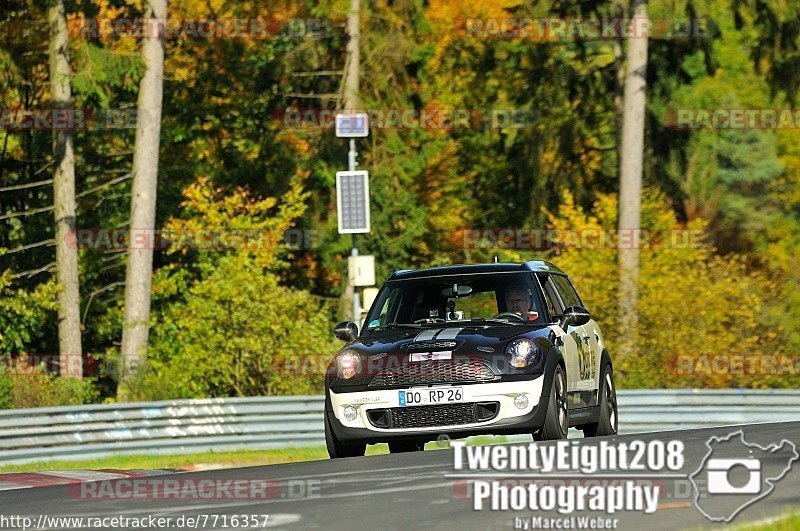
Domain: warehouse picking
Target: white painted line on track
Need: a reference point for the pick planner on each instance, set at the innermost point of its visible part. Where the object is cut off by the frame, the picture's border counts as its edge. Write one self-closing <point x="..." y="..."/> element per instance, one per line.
<point x="277" y="519"/>
<point x="371" y="471"/>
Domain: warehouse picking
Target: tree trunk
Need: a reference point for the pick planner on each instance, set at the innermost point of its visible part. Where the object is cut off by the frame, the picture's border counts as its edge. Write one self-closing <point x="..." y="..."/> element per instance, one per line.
<point x="138" y="277"/>
<point x="619" y="79"/>
<point x="353" y="72"/>
<point x="70" y="357"/>
<point x="630" y="186"/>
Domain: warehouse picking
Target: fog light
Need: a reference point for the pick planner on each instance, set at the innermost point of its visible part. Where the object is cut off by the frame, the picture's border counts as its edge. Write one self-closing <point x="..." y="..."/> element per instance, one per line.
<point x="521" y="401"/>
<point x="350" y="413"/>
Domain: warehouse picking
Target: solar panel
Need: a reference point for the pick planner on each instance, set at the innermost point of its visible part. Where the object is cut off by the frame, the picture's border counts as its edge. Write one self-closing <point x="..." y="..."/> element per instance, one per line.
<point x="352" y="201"/>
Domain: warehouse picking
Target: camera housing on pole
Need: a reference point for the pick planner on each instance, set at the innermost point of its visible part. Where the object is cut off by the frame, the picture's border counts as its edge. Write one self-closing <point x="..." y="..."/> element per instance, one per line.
<point x="352" y="125"/>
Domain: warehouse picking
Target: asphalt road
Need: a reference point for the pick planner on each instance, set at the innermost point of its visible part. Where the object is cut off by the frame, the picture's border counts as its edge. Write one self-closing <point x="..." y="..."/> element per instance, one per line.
<point x="404" y="491"/>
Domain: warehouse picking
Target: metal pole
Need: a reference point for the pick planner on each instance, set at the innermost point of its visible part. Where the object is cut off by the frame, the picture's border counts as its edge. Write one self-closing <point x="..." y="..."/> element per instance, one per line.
<point x="351" y="165"/>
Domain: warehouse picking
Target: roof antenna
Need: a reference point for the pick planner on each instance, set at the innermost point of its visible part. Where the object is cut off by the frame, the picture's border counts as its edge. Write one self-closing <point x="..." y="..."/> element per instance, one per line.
<point x="495" y="259"/>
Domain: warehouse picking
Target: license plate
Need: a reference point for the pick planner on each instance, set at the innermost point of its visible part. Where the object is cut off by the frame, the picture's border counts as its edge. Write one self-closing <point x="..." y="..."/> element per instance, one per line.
<point x="422" y="397"/>
<point x="432" y="356"/>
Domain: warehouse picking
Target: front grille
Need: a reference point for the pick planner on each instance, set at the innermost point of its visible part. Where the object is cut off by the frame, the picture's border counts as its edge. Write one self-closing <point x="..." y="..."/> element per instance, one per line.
<point x="442" y="415"/>
<point x="434" y="372"/>
<point x="437" y="415"/>
<point x="431" y="345"/>
<point x="427" y="416"/>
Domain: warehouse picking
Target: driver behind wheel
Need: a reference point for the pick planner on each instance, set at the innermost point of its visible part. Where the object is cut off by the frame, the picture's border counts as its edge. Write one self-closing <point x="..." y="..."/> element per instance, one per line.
<point x="518" y="301"/>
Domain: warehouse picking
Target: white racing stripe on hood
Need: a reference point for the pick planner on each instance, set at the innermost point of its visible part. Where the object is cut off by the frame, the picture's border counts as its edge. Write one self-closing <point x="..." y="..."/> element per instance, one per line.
<point x="449" y="333"/>
<point x="427" y="335"/>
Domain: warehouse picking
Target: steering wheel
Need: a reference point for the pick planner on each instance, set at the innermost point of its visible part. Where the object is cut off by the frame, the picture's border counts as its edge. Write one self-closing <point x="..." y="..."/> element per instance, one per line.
<point x="429" y="320"/>
<point x="509" y="315"/>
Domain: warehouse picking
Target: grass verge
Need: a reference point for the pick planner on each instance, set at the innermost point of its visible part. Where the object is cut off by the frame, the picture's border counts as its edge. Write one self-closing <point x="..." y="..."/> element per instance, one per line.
<point x="787" y="522"/>
<point x="135" y="461"/>
<point x="226" y="459"/>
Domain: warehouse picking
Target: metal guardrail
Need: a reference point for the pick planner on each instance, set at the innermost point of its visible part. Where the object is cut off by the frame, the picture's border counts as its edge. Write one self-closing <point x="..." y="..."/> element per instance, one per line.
<point x="181" y="426"/>
<point x="169" y="427"/>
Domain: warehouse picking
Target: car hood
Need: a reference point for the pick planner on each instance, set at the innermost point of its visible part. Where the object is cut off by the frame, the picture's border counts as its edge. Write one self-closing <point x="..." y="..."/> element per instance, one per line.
<point x="395" y="347"/>
<point x="395" y="340"/>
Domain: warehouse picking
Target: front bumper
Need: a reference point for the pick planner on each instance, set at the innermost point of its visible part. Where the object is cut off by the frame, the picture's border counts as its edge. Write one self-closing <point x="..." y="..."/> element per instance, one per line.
<point x="509" y="417"/>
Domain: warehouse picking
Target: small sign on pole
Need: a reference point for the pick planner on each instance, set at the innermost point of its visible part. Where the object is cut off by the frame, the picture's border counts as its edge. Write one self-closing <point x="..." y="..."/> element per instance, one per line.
<point x="352" y="125"/>
<point x="361" y="270"/>
<point x="352" y="201"/>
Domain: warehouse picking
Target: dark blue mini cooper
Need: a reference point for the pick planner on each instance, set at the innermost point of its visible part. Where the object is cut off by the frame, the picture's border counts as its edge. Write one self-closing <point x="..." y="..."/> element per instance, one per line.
<point x="469" y="350"/>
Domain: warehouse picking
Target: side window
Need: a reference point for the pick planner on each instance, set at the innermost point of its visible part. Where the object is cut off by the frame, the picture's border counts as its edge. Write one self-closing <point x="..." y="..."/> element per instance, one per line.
<point x="567" y="292"/>
<point x="385" y="310"/>
<point x="389" y="305"/>
<point x="550" y="297"/>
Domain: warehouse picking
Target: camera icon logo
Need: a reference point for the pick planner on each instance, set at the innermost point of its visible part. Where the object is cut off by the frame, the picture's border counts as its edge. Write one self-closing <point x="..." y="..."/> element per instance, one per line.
<point x="719" y="481"/>
<point x="735" y="474"/>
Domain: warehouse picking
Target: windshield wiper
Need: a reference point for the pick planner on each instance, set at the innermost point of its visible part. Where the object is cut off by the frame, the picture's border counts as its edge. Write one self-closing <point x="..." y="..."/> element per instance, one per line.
<point x="491" y="320"/>
<point x="398" y="325"/>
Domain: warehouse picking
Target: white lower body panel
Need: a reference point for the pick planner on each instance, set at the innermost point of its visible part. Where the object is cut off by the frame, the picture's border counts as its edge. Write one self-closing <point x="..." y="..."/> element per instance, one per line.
<point x="502" y="392"/>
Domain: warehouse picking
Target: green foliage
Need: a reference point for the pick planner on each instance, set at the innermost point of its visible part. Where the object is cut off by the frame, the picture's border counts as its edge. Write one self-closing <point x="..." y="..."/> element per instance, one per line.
<point x="229" y="162"/>
<point x="25" y="316"/>
<point x="25" y="386"/>
<point x="693" y="306"/>
<point x="281" y="344"/>
<point x="223" y="324"/>
<point x="6" y="387"/>
<point x="100" y="72"/>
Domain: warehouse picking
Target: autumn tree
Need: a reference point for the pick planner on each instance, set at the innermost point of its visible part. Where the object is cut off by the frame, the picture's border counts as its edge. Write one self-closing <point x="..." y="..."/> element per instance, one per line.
<point x="138" y="277"/>
<point x="69" y="321"/>
<point x="630" y="180"/>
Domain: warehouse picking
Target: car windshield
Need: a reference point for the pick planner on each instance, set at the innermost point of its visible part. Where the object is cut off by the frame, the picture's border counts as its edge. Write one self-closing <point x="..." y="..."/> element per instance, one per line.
<point x="496" y="297"/>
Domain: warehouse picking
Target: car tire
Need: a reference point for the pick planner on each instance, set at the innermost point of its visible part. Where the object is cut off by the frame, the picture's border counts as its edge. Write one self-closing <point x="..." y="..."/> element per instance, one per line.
<point x="336" y="448"/>
<point x="556" y="421"/>
<point x="607" y="424"/>
<point x="400" y="447"/>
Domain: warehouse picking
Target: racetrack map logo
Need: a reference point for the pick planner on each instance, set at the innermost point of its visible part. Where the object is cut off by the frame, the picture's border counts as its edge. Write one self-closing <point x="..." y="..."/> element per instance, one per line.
<point x="738" y="474"/>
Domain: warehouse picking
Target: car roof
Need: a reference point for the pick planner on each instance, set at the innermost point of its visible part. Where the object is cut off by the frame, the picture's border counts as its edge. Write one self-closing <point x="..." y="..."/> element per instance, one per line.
<point x="466" y="269"/>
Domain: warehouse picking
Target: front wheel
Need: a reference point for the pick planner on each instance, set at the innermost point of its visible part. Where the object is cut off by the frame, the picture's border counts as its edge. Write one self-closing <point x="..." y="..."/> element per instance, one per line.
<point x="336" y="448"/>
<point x="607" y="423"/>
<point x="556" y="421"/>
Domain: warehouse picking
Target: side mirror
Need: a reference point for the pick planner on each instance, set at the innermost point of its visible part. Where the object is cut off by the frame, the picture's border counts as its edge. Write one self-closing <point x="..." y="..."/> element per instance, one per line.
<point x="575" y="316"/>
<point x="346" y="331"/>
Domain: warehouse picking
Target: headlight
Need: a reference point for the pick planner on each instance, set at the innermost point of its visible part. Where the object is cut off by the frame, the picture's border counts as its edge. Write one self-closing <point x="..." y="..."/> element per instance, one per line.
<point x="347" y="364"/>
<point x="521" y="352"/>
